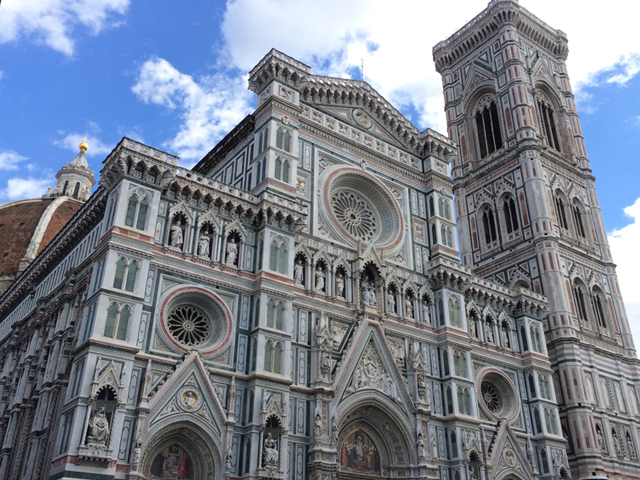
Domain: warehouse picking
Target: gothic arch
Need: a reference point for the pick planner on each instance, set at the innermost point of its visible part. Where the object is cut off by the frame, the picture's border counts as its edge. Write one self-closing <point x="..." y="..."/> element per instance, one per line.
<point x="196" y="441"/>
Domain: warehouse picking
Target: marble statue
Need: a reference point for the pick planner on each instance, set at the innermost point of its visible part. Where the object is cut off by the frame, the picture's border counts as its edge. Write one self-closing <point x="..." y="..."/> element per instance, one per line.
<point x="339" y="285"/>
<point x="98" y="427"/>
<point x="232" y="253"/>
<point x="176" y="236"/>
<point x="319" y="279"/>
<point x="203" y="245"/>
<point x="270" y="451"/>
<point x="298" y="272"/>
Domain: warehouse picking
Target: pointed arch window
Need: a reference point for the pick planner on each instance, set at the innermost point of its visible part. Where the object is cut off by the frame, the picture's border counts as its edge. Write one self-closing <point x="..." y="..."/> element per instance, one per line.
<point x="579" y="297"/>
<point x="117" y="321"/>
<point x="275" y="314"/>
<point x="488" y="129"/>
<point x="536" y="343"/>
<point x="125" y="270"/>
<point x="510" y="215"/>
<point x="455" y="317"/>
<point x="577" y="220"/>
<point x="273" y="357"/>
<point x="599" y="309"/>
<point x="263" y="140"/>
<point x="489" y="224"/>
<point x="561" y="212"/>
<point x="282" y="170"/>
<point x="548" y="121"/>
<point x="137" y="212"/>
<point x="278" y="256"/>
<point x="283" y="139"/>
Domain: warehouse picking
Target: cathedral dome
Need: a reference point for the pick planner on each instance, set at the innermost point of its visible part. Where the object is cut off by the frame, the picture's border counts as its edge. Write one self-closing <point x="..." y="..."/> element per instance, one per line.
<point x="26" y="228"/>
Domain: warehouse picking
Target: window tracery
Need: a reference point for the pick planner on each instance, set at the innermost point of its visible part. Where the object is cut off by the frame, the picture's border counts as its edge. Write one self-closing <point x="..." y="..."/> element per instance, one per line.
<point x="117" y="321"/>
<point x="137" y="212"/>
<point x="125" y="270"/>
<point x="547" y="120"/>
<point x="488" y="127"/>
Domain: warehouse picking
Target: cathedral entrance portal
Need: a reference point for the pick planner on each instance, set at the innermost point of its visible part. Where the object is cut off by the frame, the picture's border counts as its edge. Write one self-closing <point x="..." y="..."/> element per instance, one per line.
<point x="372" y="443"/>
<point x="180" y="452"/>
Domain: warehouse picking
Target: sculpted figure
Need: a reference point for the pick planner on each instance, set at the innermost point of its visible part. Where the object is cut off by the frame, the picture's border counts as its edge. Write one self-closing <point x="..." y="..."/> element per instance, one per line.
<point x="600" y="440"/>
<point x="473" y="326"/>
<point x="391" y="303"/>
<point x="409" y="308"/>
<point x="98" y="427"/>
<point x="373" y="298"/>
<point x="232" y="253"/>
<point x="203" y="245"/>
<point x="505" y="338"/>
<point x="340" y="285"/>
<point x="489" y="331"/>
<point x="317" y="429"/>
<point x="270" y="451"/>
<point x="298" y="272"/>
<point x="176" y="236"/>
<point x="319" y="279"/>
<point x="426" y="313"/>
<point x="421" y="449"/>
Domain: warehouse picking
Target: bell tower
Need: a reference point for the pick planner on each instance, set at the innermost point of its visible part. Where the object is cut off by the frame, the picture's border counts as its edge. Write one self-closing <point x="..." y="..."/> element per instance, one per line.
<point x="528" y="217"/>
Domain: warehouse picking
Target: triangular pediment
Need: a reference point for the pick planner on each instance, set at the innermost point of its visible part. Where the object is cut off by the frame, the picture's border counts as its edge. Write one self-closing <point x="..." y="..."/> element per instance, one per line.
<point x="508" y="456"/>
<point x="372" y="128"/>
<point x="188" y="390"/>
<point x="371" y="366"/>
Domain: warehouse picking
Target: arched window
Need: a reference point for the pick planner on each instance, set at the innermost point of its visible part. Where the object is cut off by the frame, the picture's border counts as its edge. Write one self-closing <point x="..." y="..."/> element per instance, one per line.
<point x="283" y="139"/>
<point x="543" y="457"/>
<point x="137" y="212"/>
<point x="434" y="234"/>
<point x="523" y="336"/>
<point x="278" y="168"/>
<point x="263" y="140"/>
<point x="548" y="121"/>
<point x="275" y="314"/>
<point x="455" y="317"/>
<point x="117" y="321"/>
<point x="273" y="357"/>
<point x="441" y="320"/>
<point x="121" y="266"/>
<point x="535" y="339"/>
<point x="489" y="225"/>
<point x="510" y="215"/>
<point x="577" y="219"/>
<point x="488" y="129"/>
<point x="432" y="210"/>
<point x="128" y="270"/>
<point x="536" y="418"/>
<point x="66" y="186"/>
<point x="449" y="400"/>
<point x="545" y="387"/>
<point x="441" y="207"/>
<point x="578" y="295"/>
<point x="599" y="309"/>
<point x="464" y="401"/>
<point x="454" y="444"/>
<point x="532" y="386"/>
<point x="285" y="172"/>
<point x="76" y="190"/>
<point x="445" y="362"/>
<point x="561" y="213"/>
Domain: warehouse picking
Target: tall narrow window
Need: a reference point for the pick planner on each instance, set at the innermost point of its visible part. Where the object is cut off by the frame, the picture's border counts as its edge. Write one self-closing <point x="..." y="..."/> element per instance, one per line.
<point x="279" y="138"/>
<point x="119" y="277"/>
<point x="287" y="141"/>
<point x="123" y="323"/>
<point x="142" y="214"/>
<point x="580" y="302"/>
<point x="510" y="215"/>
<point x="277" y="359"/>
<point x="488" y="129"/>
<point x="131" y="277"/>
<point x="489" y="224"/>
<point x="560" y="213"/>
<point x="268" y="354"/>
<point x="577" y="220"/>
<point x="548" y="122"/>
<point x="597" y="303"/>
<point x="131" y="211"/>
<point x="285" y="172"/>
<point x="278" y="168"/>
<point x="110" y="324"/>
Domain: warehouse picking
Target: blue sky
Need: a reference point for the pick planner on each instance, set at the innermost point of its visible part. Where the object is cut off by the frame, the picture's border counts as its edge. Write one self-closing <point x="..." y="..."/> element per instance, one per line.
<point x="173" y="75"/>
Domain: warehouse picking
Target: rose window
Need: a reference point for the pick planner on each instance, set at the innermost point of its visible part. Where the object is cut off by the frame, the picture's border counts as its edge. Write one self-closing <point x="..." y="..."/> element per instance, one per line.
<point x="188" y="326"/>
<point x="195" y="319"/>
<point x="354" y="214"/>
<point x="491" y="397"/>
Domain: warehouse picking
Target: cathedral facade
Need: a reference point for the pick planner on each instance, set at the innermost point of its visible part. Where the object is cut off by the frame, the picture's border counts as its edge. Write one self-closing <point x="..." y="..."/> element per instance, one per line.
<point x="294" y="306"/>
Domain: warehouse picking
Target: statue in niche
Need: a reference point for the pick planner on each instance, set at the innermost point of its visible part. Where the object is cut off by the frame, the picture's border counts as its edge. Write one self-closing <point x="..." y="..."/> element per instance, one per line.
<point x="426" y="313"/>
<point x="505" y="338"/>
<point x="176" y="236"/>
<point x="320" y="276"/>
<point x="339" y="285"/>
<point x="421" y="448"/>
<point x="434" y="448"/>
<point x="318" y="426"/>
<point x="270" y="451"/>
<point x="632" y="451"/>
<point x="489" y="331"/>
<point x="409" y="308"/>
<point x="203" y="245"/>
<point x="298" y="273"/>
<point x="601" y="440"/>
<point x="616" y="443"/>
<point x="473" y="326"/>
<point x="391" y="302"/>
<point x="232" y="253"/>
<point x="98" y="428"/>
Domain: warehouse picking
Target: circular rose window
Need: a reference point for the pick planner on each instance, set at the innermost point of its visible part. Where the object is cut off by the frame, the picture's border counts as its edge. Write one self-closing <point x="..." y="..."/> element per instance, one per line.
<point x="498" y="397"/>
<point x="188" y="325"/>
<point x="193" y="318"/>
<point x="358" y="208"/>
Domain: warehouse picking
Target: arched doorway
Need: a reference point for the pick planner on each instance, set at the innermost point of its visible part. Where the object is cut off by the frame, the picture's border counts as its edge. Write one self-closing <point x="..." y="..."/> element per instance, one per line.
<point x="181" y="451"/>
<point x="372" y="441"/>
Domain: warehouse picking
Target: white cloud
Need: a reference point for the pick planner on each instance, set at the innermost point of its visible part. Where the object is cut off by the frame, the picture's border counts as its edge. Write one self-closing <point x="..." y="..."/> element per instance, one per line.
<point x="52" y="21"/>
<point x="624" y="247"/>
<point x="19" y="188"/>
<point x="209" y="107"/>
<point x="396" y="43"/>
<point x="71" y="142"/>
<point x="9" y="160"/>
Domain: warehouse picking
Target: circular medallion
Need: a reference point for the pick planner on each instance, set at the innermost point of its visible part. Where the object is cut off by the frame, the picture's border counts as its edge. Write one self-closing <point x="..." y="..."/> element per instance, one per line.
<point x="189" y="399"/>
<point x="362" y="118"/>
<point x="498" y="397"/>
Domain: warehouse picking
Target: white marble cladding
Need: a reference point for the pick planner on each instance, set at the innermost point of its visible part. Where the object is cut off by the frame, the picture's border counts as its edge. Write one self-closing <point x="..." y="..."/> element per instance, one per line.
<point x="151" y="152"/>
<point x="359" y="136"/>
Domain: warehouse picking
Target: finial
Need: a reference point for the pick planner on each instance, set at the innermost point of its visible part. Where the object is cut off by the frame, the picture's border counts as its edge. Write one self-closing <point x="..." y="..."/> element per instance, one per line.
<point x="84" y="146"/>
